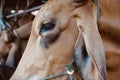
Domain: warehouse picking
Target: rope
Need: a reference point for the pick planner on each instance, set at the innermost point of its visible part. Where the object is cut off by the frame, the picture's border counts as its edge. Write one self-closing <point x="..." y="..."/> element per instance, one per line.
<point x="69" y="71"/>
<point x="56" y="75"/>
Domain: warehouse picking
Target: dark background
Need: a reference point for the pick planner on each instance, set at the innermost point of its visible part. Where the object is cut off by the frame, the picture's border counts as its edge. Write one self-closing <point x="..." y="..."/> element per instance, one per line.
<point x="9" y="5"/>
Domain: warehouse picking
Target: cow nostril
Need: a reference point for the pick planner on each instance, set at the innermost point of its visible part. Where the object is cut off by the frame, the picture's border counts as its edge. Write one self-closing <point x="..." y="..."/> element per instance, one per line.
<point x="46" y="27"/>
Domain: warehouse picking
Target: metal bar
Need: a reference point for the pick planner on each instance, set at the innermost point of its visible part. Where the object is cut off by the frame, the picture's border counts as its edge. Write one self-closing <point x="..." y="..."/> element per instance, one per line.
<point x="16" y="10"/>
<point x="28" y="2"/>
<point x="1" y="8"/>
<point x="31" y="2"/>
<point x="26" y="11"/>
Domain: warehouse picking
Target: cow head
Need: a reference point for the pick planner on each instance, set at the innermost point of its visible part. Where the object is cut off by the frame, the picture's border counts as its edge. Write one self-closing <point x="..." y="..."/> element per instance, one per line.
<point x="9" y="46"/>
<point x="63" y="29"/>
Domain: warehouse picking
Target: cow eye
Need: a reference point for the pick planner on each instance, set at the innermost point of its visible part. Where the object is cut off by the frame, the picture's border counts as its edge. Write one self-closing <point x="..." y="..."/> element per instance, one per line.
<point x="78" y="1"/>
<point x="43" y="1"/>
<point x="46" y="27"/>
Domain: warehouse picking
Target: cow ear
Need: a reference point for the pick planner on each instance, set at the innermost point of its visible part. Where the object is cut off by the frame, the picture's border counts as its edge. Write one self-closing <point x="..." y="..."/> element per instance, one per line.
<point x="89" y="54"/>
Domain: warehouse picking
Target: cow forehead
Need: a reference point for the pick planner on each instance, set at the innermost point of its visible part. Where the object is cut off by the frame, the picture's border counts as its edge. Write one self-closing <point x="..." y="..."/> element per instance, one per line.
<point x="57" y="10"/>
<point x="58" y="7"/>
<point x="59" y="2"/>
<point x="53" y="6"/>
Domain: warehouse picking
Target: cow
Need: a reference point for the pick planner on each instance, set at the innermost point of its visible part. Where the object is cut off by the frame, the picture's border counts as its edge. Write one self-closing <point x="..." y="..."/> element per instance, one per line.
<point x="12" y="44"/>
<point x="66" y="43"/>
<point x="25" y="18"/>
